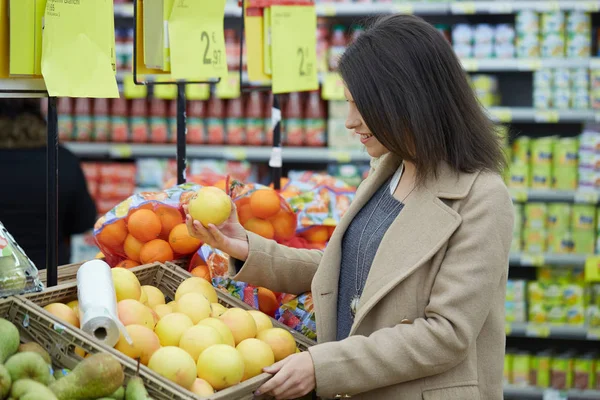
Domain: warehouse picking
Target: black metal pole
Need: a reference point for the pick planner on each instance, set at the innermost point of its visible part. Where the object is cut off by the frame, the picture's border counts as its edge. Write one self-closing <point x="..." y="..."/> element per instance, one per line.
<point x="181" y="133"/>
<point x="276" y="161"/>
<point x="52" y="195"/>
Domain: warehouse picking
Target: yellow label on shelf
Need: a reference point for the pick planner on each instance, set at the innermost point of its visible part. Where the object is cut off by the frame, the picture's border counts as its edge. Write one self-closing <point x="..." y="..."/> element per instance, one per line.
<point x="237" y="153"/>
<point x="532" y="64"/>
<point x="197" y="39"/>
<point x="328" y="11"/>
<point x="537" y="330"/>
<point x="532" y="260"/>
<point x="121" y="151"/>
<point x="133" y="91"/>
<point x="343" y="157"/>
<point x="470" y="64"/>
<point x="333" y="87"/>
<point x="197" y="91"/>
<point x="463" y="8"/>
<point x="254" y="28"/>
<point x="587" y="196"/>
<point x="519" y="195"/>
<point x="501" y="7"/>
<point x="166" y="92"/>
<point x="404" y="8"/>
<point x="592" y="269"/>
<point x="77" y="47"/>
<point x="293" y="47"/>
<point x="547" y="116"/>
<point x="229" y="87"/>
<point x="502" y="114"/>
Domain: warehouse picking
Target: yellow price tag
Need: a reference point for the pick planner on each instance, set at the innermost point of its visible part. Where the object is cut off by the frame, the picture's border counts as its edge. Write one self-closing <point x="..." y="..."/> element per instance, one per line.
<point x="333" y="87"/>
<point x="532" y="64"/>
<point x="537" y="330"/>
<point x="133" y="91"/>
<point x="229" y="87"/>
<point x="502" y="114"/>
<point x="547" y="116"/>
<point x="197" y="91"/>
<point x="342" y="157"/>
<point x="519" y="195"/>
<point x="166" y="92"/>
<point x="532" y="260"/>
<point x="197" y="39"/>
<point x="294" y="55"/>
<point x="470" y="64"/>
<point x="404" y="8"/>
<point x="463" y="8"/>
<point x="237" y="153"/>
<point x="121" y="151"/>
<point x="592" y="269"/>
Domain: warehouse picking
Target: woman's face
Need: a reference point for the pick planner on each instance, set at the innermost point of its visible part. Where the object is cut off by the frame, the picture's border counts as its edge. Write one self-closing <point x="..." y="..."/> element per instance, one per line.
<point x="355" y="123"/>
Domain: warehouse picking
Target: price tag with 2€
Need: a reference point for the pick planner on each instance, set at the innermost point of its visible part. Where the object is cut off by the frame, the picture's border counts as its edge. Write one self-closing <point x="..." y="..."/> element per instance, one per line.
<point x="294" y="48"/>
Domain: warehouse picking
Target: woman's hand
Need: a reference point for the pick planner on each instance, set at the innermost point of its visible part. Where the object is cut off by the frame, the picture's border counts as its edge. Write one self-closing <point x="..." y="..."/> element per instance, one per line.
<point x="294" y="377"/>
<point x="230" y="237"/>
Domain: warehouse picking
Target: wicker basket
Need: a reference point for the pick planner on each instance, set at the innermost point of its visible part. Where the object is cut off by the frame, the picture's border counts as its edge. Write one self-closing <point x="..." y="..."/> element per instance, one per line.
<point x="168" y="278"/>
<point x="36" y="325"/>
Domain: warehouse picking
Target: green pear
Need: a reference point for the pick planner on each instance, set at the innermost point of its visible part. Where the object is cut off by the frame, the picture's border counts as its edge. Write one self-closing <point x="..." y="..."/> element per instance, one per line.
<point x="9" y="339"/>
<point x="28" y="366"/>
<point x="35" y="348"/>
<point x="118" y="395"/>
<point x="136" y="390"/>
<point x="27" y="389"/>
<point x="99" y="375"/>
<point x="5" y="382"/>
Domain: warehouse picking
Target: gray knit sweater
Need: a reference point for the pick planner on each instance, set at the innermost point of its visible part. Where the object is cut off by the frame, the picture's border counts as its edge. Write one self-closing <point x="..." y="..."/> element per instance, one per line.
<point x="359" y="246"/>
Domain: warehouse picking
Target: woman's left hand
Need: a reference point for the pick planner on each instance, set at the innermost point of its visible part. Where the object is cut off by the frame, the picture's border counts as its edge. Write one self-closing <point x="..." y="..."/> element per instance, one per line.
<point x="294" y="377"/>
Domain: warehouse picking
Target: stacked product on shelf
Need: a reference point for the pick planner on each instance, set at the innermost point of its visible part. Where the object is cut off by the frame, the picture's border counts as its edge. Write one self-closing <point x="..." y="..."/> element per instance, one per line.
<point x="589" y="157"/>
<point x="561" y="88"/>
<point x="595" y="86"/>
<point x="484" y="41"/>
<point x="486" y="88"/>
<point x="109" y="183"/>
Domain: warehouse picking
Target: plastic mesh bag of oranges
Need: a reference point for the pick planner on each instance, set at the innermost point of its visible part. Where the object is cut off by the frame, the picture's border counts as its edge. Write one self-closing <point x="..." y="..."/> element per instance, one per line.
<point x="298" y="313"/>
<point x="147" y="227"/>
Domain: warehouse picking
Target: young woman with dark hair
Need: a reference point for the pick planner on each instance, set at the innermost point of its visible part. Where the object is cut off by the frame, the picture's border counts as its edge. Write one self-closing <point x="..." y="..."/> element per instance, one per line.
<point x="409" y="293"/>
<point x="23" y="185"/>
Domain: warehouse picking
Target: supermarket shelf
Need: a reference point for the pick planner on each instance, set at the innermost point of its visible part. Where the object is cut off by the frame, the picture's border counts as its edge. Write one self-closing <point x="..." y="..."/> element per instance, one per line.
<point x="359" y="9"/>
<point x="290" y="154"/>
<point x="517" y="393"/>
<point x="527" y="329"/>
<point x="538" y="260"/>
<point x="506" y="7"/>
<point x="526" y="114"/>
<point x="553" y="196"/>
<point x="23" y="84"/>
<point x="525" y="64"/>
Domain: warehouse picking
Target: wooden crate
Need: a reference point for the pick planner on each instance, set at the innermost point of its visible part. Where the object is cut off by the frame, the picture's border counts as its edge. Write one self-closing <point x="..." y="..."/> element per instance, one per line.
<point x="168" y="278"/>
<point x="37" y="325"/>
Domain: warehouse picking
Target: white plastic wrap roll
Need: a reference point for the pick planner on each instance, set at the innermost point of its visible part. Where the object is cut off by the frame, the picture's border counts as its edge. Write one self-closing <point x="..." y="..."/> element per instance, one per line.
<point x="98" y="303"/>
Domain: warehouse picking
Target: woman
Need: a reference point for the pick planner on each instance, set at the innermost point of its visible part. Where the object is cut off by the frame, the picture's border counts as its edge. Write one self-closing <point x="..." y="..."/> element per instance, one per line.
<point x="23" y="196"/>
<point x="409" y="294"/>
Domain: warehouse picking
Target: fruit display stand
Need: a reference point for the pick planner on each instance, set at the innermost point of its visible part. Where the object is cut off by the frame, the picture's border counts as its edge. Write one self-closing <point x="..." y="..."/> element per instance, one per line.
<point x="63" y="343"/>
<point x="167" y="278"/>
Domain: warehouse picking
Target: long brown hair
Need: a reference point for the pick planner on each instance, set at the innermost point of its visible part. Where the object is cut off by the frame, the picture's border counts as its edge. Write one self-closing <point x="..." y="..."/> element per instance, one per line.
<point x="414" y="96"/>
<point x="22" y="124"/>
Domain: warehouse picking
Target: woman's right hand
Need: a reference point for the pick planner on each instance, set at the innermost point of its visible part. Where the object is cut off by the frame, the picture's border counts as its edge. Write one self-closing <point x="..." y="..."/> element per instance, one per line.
<point x="230" y="237"/>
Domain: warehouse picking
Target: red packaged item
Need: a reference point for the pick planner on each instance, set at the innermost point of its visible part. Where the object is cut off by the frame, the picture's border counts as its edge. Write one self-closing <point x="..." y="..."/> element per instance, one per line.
<point x="90" y="171"/>
<point x="65" y="119"/>
<point x="173" y="121"/>
<point x="196" y="132"/>
<point x="118" y="173"/>
<point x="232" y="48"/>
<point x="121" y="190"/>
<point x="101" y="120"/>
<point x="337" y="46"/>
<point x="83" y="120"/>
<point x="214" y="121"/>
<point x="140" y="131"/>
<point x="159" y="130"/>
<point x="293" y="124"/>
<point x="255" y="121"/>
<point x="234" y="122"/>
<point x="315" y="121"/>
<point x="119" y="121"/>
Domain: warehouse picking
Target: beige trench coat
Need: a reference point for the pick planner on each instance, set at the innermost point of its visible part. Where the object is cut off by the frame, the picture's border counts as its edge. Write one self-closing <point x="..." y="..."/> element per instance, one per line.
<point x="440" y="269"/>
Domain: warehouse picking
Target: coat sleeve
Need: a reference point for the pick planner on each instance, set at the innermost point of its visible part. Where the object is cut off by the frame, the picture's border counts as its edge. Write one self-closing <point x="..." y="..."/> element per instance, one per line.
<point x="474" y="266"/>
<point x="277" y="267"/>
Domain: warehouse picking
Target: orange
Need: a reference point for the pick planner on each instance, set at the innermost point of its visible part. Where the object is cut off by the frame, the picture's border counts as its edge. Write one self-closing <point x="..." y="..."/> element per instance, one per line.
<point x="132" y="248"/>
<point x="113" y="235"/>
<point x="261" y="227"/>
<point x="242" y="202"/>
<point x="156" y="250"/>
<point x="169" y="218"/>
<point x="181" y="242"/>
<point x="144" y="225"/>
<point x="316" y="234"/>
<point x="284" y="224"/>
<point x="127" y="264"/>
<point x="244" y="213"/>
<point x="201" y="271"/>
<point x="265" y="203"/>
<point x="221" y="185"/>
<point x="267" y="302"/>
